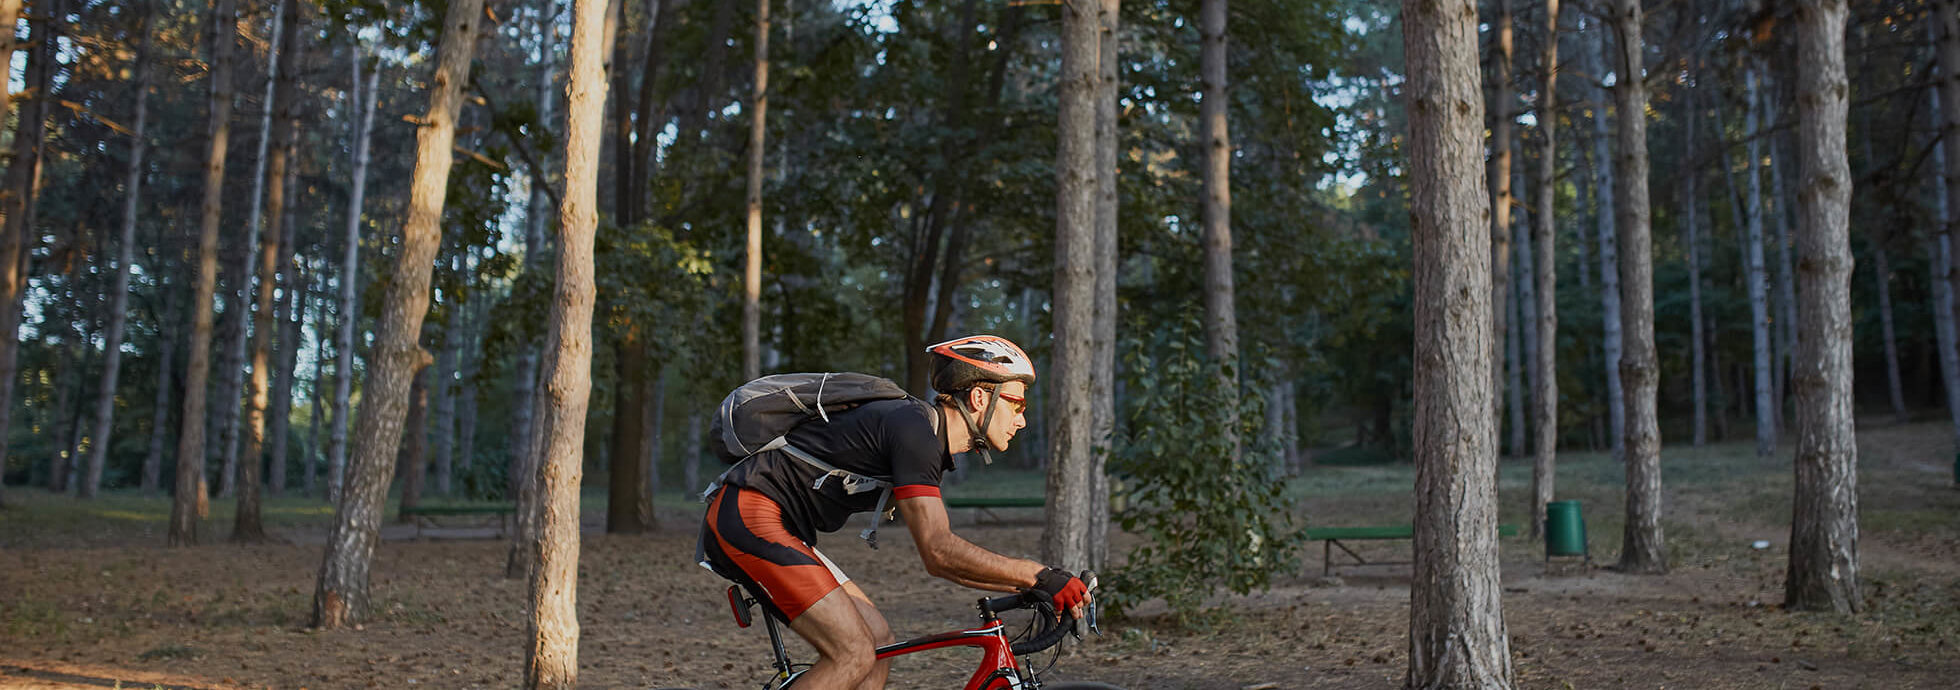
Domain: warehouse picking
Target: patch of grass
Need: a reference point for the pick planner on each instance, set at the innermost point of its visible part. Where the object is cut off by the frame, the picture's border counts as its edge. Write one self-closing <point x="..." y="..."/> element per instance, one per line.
<point x="28" y="617"/>
<point x="1355" y="456"/>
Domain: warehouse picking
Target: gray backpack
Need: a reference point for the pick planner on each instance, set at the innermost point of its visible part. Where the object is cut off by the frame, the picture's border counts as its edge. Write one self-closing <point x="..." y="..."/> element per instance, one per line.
<point x="758" y="416"/>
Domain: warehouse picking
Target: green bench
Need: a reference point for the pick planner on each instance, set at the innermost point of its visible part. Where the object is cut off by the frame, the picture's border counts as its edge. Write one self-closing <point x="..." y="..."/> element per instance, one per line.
<point x="987" y="505"/>
<point x="1331" y="538"/>
<point x="424" y="516"/>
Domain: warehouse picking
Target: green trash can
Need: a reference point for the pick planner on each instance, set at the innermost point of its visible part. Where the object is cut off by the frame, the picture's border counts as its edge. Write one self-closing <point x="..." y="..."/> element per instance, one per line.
<point x="1565" y="529"/>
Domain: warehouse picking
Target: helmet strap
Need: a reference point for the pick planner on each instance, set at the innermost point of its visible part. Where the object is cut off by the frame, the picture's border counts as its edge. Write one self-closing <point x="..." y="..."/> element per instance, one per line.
<point x="979" y="431"/>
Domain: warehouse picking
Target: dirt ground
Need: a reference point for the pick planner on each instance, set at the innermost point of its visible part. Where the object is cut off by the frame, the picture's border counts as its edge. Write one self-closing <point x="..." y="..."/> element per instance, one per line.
<point x="118" y="610"/>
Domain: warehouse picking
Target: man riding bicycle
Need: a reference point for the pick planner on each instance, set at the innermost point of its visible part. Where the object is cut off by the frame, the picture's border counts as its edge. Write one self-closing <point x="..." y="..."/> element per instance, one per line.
<point x="761" y="524"/>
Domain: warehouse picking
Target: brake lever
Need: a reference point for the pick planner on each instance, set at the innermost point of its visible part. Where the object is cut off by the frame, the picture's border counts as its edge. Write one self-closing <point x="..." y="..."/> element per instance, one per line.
<point x="1093" y="607"/>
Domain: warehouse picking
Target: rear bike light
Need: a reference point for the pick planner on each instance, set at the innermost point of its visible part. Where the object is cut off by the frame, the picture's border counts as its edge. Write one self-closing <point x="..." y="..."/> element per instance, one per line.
<point x="739" y="604"/>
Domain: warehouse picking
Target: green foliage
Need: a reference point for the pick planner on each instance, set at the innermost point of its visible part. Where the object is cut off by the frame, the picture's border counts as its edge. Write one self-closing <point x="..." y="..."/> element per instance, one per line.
<point x="1210" y="520"/>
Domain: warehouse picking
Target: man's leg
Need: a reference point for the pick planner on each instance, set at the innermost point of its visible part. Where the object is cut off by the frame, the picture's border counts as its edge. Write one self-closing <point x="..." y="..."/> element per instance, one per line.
<point x="845" y="642"/>
<point x="881" y="635"/>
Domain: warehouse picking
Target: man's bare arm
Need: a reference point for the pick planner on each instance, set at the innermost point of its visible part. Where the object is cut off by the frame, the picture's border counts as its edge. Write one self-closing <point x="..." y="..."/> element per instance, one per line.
<point x="951" y="557"/>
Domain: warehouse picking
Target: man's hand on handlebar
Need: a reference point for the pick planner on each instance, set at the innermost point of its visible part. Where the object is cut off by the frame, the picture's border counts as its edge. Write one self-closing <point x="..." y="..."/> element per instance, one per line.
<point x="1064" y="590"/>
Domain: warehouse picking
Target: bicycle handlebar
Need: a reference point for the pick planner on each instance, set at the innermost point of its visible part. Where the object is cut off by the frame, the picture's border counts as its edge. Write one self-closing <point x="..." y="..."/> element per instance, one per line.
<point x="1051" y="631"/>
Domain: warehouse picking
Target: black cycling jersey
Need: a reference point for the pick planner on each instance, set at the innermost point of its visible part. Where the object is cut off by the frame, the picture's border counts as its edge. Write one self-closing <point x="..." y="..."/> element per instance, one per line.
<point x="890" y="439"/>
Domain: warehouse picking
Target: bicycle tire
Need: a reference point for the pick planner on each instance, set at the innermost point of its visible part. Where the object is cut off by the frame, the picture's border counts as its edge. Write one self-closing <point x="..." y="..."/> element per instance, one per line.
<point x="1080" y="685"/>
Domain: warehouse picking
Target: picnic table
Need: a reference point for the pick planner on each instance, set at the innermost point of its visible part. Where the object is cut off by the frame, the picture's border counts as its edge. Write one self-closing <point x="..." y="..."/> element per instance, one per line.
<point x="1331" y="538"/>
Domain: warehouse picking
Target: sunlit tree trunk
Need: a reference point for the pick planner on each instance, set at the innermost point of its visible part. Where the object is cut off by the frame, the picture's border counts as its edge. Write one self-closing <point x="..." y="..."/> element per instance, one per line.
<point x="1102" y="373"/>
<point x="1691" y="220"/>
<point x="1823" y="571"/>
<point x="247" y="525"/>
<point x="752" y="269"/>
<point x="246" y="309"/>
<point x="342" y="596"/>
<point x="1066" y="541"/>
<point x="1545" y="392"/>
<point x="551" y="658"/>
<point x="105" y="398"/>
<point x="1457" y="637"/>
<point x="190" y="440"/>
<point x="1644" y="547"/>
<point x="348" y="310"/>
<point x="1606" y="214"/>
<point x="1758" y="277"/>
<point x="17" y="201"/>
<point x="1500" y="193"/>
<point x="1221" y="317"/>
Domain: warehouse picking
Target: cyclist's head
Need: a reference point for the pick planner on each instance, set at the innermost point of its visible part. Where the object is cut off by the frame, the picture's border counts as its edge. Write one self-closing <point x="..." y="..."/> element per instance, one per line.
<point x="965" y="368"/>
<point x="962" y="363"/>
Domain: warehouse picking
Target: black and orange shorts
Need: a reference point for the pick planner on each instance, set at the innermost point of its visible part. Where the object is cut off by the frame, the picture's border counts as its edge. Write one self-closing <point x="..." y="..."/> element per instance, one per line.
<point x="743" y="538"/>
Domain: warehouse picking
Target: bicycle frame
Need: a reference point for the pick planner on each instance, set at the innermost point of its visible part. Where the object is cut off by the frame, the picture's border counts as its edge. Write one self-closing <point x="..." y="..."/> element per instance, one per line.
<point x="998" y="669"/>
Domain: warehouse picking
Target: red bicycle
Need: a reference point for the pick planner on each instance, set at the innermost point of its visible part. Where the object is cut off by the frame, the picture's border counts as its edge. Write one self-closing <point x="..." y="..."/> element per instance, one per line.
<point x="1000" y="656"/>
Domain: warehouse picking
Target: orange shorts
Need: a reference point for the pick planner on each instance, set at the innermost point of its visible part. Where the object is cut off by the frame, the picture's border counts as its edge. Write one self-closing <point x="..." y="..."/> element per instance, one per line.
<point x="743" y="539"/>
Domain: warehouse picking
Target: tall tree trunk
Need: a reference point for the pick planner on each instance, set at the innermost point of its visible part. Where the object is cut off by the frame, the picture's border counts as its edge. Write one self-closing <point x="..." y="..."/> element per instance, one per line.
<point x="752" y="269"/>
<point x="1066" y="541"/>
<point x="1894" y="386"/>
<point x="1947" y="114"/>
<point x="929" y="229"/>
<point x="1500" y="193"/>
<point x="311" y="476"/>
<point x="1221" y="319"/>
<point x="166" y="365"/>
<point x="1644" y="549"/>
<point x="412" y="458"/>
<point x="1545" y="393"/>
<point x="467" y="416"/>
<point x="348" y="311"/>
<point x="1758" y="277"/>
<point x="1785" y="319"/>
<point x="1457" y="637"/>
<point x="1691" y="206"/>
<point x="190" y="440"/>
<point x="17" y="202"/>
<point x="1607" y="205"/>
<point x="1516" y="365"/>
<point x="525" y="373"/>
<point x="629" y="508"/>
<point x="1102" y="373"/>
<point x="247" y="524"/>
<point x="1527" y="299"/>
<point x="247" y="310"/>
<point x="292" y="308"/>
<point x="105" y="398"/>
<point x="551" y="659"/>
<point x="1823" y="571"/>
<point x="443" y="392"/>
<point x="342" y="596"/>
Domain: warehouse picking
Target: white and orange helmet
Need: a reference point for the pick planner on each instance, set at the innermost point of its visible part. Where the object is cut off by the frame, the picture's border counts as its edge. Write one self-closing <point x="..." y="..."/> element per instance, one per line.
<point x="960" y="363"/>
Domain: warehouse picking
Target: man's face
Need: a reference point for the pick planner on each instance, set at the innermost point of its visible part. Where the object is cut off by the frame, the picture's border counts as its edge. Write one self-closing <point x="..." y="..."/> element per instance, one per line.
<point x="1009" y="415"/>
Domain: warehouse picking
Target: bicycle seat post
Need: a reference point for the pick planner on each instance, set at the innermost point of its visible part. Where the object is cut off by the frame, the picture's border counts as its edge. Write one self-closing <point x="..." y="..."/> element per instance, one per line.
<point x="776" y="643"/>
